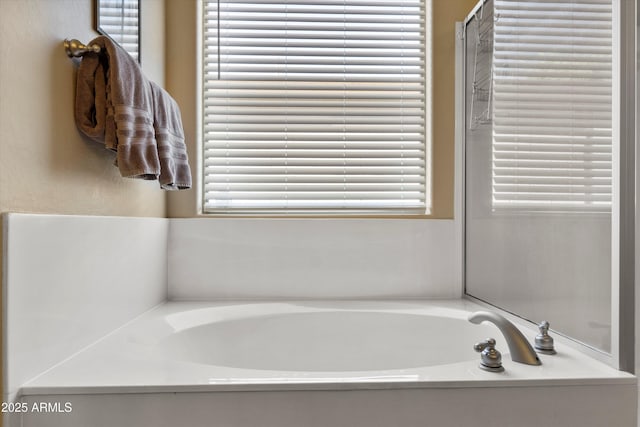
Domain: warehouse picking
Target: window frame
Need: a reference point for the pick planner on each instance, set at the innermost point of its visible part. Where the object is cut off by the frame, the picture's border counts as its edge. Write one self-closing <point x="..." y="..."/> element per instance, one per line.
<point x="421" y="212"/>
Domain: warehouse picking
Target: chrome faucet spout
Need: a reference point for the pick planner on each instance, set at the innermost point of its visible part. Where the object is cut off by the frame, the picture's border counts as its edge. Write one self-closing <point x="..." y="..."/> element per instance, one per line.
<point x="519" y="348"/>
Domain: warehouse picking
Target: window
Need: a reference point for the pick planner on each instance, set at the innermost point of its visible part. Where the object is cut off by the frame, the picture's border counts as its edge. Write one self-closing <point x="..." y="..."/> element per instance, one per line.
<point x="552" y="106"/>
<point x="120" y="20"/>
<point x="314" y="106"/>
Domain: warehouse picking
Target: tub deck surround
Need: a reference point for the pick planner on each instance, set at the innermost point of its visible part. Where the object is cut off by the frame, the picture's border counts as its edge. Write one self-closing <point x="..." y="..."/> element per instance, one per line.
<point x="69" y="280"/>
<point x="311" y="338"/>
<point x="167" y="350"/>
<point x="161" y="370"/>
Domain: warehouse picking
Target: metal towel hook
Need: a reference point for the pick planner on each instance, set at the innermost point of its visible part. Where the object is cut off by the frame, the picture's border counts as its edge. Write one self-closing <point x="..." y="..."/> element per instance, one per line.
<point x="76" y="49"/>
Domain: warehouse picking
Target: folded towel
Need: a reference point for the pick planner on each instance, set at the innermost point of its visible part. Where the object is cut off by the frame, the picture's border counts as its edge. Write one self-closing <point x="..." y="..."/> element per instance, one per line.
<point x="174" y="163"/>
<point x="114" y="106"/>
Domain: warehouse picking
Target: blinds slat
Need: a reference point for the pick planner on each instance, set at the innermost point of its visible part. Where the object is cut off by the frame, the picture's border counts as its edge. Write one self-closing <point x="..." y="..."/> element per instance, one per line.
<point x="291" y="153"/>
<point x="313" y="195"/>
<point x="306" y="136"/>
<point x="240" y="178"/>
<point x="319" y="170"/>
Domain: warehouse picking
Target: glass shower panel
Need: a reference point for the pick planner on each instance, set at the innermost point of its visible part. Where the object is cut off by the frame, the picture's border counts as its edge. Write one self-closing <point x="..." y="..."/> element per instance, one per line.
<point x="538" y="168"/>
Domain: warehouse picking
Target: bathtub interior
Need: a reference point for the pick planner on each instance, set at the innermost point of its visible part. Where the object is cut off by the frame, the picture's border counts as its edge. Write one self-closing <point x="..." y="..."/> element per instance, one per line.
<point x="327" y="340"/>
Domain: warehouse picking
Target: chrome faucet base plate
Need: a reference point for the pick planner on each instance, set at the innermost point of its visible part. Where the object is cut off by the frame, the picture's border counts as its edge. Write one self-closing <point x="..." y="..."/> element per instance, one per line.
<point x="491" y="369"/>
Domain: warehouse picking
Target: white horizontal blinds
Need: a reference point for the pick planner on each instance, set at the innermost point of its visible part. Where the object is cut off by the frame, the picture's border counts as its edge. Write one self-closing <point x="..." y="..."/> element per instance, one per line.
<point x="120" y="19"/>
<point x="314" y="105"/>
<point x="552" y="105"/>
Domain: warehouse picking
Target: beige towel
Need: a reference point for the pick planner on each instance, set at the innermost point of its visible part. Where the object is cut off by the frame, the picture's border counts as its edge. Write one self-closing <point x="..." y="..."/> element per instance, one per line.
<point x="114" y="106"/>
<point x="174" y="163"/>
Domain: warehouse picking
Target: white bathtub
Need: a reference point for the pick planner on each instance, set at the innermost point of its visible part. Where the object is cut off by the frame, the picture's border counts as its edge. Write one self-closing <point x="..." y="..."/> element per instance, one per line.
<point x="321" y="364"/>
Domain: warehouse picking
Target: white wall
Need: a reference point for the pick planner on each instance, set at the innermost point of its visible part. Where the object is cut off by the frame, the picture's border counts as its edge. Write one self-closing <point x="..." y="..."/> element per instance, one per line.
<point x="312" y="258"/>
<point x="69" y="280"/>
<point x="46" y="166"/>
<point x="553" y="268"/>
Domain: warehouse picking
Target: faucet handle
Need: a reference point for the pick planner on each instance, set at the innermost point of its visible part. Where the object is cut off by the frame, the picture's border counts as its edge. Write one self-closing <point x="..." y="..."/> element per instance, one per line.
<point x="490" y="358"/>
<point x="543" y="341"/>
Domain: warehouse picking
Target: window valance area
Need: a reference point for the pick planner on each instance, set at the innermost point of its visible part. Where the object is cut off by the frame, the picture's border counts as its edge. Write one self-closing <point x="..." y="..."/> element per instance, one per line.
<point x="314" y="106"/>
